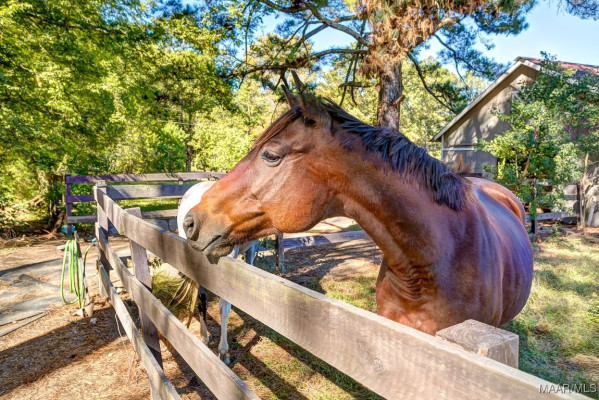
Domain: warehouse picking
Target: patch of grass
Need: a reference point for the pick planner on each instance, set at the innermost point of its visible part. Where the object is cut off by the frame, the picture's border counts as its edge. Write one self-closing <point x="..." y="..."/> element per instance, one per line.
<point x="559" y="327"/>
<point x="144" y="204"/>
<point x="150" y="204"/>
<point x="360" y="291"/>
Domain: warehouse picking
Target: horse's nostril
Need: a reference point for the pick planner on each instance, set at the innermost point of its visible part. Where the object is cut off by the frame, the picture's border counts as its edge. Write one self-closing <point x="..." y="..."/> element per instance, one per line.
<point x="190" y="227"/>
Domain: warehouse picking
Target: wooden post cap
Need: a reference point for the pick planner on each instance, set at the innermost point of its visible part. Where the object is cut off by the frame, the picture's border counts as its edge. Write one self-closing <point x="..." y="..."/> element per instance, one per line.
<point x="486" y="340"/>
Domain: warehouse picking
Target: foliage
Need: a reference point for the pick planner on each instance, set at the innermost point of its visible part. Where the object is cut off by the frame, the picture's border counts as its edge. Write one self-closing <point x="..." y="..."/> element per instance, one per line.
<point x="385" y="34"/>
<point x="421" y="117"/>
<point x="224" y="136"/>
<point x="154" y="151"/>
<point x="553" y="122"/>
<point x="398" y="27"/>
<point x="99" y="87"/>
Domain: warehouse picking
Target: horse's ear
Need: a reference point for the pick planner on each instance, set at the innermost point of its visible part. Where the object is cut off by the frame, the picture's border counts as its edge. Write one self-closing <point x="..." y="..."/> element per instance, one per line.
<point x="303" y="103"/>
<point x="291" y="99"/>
<point x="312" y="109"/>
<point x="298" y="84"/>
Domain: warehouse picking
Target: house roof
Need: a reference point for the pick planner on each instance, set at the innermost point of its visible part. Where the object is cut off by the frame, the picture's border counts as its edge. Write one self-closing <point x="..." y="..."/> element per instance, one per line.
<point x="533" y="63"/>
<point x="579" y="68"/>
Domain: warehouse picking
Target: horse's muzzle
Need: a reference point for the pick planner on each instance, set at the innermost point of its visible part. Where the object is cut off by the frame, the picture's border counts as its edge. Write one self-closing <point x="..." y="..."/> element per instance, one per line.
<point x="210" y="241"/>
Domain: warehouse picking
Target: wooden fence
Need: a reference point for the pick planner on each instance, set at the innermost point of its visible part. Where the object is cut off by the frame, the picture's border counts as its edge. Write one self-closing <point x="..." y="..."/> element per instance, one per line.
<point x="391" y="359"/>
<point x="166" y="219"/>
<point x="132" y="192"/>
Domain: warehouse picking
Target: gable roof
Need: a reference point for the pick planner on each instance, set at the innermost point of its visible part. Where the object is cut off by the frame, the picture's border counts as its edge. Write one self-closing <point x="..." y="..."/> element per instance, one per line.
<point x="529" y="62"/>
<point x="581" y="69"/>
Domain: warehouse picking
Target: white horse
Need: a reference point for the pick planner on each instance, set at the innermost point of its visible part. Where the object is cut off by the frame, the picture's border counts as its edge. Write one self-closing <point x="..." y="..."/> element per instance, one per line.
<point x="189" y="200"/>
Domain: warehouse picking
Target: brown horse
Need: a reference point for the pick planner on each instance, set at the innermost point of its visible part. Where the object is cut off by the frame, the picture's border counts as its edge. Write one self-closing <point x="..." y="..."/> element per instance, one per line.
<point x="455" y="248"/>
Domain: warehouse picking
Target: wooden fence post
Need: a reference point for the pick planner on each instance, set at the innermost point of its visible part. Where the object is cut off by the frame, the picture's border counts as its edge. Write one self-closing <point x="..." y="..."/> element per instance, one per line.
<point x="485" y="340"/>
<point x="280" y="253"/>
<point x="533" y="221"/>
<point x="69" y="205"/>
<point x="101" y="225"/>
<point x="581" y="205"/>
<point x="139" y="258"/>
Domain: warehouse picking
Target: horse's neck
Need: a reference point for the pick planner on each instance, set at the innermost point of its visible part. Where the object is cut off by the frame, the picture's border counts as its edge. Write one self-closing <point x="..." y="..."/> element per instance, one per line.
<point x="400" y="216"/>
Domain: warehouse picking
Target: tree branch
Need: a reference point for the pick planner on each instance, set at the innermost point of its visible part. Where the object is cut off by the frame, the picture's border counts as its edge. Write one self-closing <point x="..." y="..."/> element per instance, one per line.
<point x="355" y="84"/>
<point x="337" y="26"/>
<point x="426" y="87"/>
<point x="291" y="10"/>
<point x="456" y="56"/>
<point x="353" y="64"/>
<point x="298" y="63"/>
<point x="66" y="25"/>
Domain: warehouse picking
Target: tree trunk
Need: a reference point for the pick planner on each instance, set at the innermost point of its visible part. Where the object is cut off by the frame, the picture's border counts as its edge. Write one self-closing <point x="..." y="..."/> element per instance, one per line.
<point x="188" y="148"/>
<point x="390" y="90"/>
<point x="188" y="157"/>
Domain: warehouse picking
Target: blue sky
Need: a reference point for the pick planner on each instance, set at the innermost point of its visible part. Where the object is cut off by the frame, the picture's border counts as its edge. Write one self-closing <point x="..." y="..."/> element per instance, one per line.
<point x="567" y="37"/>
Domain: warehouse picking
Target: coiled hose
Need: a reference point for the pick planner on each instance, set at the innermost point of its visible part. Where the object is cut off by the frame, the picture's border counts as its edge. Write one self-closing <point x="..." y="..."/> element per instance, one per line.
<point x="77" y="284"/>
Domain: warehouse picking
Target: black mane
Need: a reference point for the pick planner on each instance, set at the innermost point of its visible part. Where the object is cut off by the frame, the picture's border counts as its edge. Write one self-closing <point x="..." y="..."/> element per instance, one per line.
<point x="403" y="156"/>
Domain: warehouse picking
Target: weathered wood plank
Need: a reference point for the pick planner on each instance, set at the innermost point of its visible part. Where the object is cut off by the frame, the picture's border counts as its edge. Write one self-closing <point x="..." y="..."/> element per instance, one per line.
<point x="485" y="340"/>
<point x="146" y="191"/>
<point x="391" y="359"/>
<point x="83" y="198"/>
<point x="172" y="213"/>
<point x="280" y="253"/>
<point x="551" y="216"/>
<point x="139" y="258"/>
<point x="102" y="228"/>
<point x="158" y="381"/>
<point x="210" y="369"/>
<point x="160" y="214"/>
<point x="80" y="219"/>
<point x="317" y="240"/>
<point x="185" y="176"/>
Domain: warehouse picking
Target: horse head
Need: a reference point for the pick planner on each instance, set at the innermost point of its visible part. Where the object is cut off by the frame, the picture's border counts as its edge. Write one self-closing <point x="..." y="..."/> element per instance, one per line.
<point x="289" y="164"/>
<point x="301" y="170"/>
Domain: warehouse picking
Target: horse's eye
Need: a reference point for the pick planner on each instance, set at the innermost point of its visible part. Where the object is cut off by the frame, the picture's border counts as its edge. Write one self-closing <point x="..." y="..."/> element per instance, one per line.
<point x="270" y="158"/>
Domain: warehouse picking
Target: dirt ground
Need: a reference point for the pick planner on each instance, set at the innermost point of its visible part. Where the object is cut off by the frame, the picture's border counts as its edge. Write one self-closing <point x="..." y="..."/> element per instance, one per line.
<point x="61" y="355"/>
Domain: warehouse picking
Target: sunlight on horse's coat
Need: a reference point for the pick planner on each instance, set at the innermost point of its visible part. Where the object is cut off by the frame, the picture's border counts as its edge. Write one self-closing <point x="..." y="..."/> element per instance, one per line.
<point x="455" y="248"/>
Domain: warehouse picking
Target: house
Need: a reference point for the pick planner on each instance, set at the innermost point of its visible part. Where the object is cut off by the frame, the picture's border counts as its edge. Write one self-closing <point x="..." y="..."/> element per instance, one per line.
<point x="478" y="121"/>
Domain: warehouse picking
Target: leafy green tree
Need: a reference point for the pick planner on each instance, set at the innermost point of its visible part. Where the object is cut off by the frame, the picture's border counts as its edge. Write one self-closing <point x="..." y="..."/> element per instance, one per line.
<point x="139" y="152"/>
<point x="554" y="123"/>
<point x="224" y="136"/>
<point x="54" y="102"/>
<point x="81" y="82"/>
<point x="422" y="117"/>
<point x="384" y="33"/>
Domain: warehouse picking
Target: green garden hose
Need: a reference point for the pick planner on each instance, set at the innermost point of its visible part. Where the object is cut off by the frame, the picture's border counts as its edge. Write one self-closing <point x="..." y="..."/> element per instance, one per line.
<point x="77" y="284"/>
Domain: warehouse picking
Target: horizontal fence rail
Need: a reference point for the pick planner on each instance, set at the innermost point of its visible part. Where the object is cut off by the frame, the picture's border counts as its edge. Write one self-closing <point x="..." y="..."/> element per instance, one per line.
<point x="208" y="367"/>
<point x="391" y="359"/>
<point x="179" y="176"/>
<point x="551" y="216"/>
<point x="132" y="191"/>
